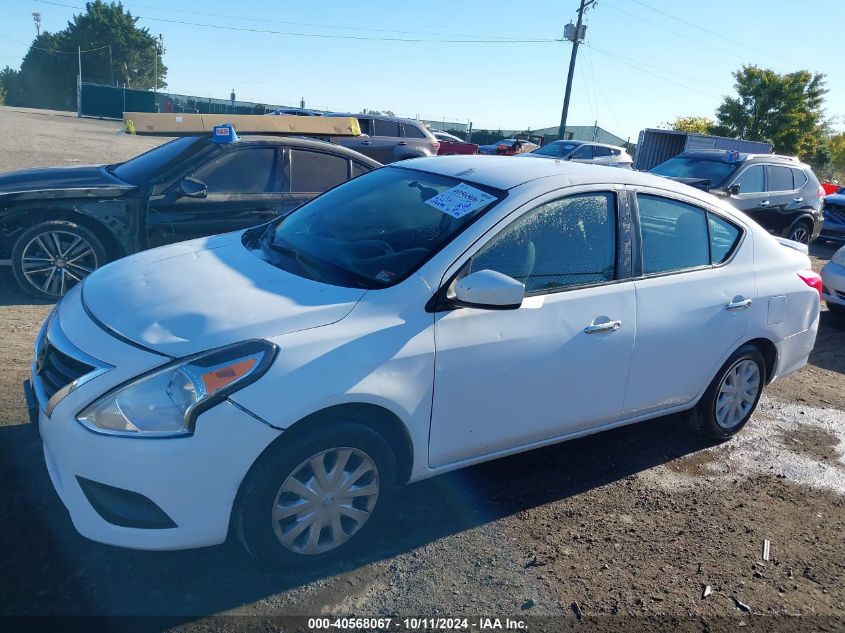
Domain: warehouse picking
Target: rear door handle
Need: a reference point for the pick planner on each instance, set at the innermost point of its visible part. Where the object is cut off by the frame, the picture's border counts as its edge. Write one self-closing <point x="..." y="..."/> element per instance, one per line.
<point x="607" y="326"/>
<point x="740" y="304"/>
<point x="402" y="143"/>
<point x="765" y="203"/>
<point x="366" y="142"/>
<point x="798" y="199"/>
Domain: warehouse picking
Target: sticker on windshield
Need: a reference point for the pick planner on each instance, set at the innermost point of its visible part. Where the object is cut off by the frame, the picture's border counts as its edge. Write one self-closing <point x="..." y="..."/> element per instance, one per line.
<point x="386" y="276"/>
<point x="460" y="200"/>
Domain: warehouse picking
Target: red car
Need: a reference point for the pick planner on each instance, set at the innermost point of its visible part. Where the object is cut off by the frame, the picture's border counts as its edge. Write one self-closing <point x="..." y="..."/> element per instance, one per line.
<point x="453" y="145"/>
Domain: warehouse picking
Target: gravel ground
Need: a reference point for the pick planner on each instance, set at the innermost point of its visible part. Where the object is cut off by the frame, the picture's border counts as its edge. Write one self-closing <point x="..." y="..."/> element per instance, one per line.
<point x="623" y="530"/>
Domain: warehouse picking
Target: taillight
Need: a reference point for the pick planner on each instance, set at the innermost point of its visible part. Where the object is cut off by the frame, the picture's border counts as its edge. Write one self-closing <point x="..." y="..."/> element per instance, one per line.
<point x="821" y="193"/>
<point x="812" y="279"/>
<point x="435" y="145"/>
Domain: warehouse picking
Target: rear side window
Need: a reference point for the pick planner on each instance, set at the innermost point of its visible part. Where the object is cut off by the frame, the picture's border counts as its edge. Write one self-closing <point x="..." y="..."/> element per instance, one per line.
<point x="359" y="169"/>
<point x="250" y="170"/>
<point x="799" y="178"/>
<point x="568" y="242"/>
<point x="723" y="238"/>
<point x="315" y="171"/>
<point x="674" y="235"/>
<point x="752" y="180"/>
<point x="366" y="126"/>
<point x="601" y="152"/>
<point x="385" y="128"/>
<point x="780" y="178"/>
<point x="412" y="131"/>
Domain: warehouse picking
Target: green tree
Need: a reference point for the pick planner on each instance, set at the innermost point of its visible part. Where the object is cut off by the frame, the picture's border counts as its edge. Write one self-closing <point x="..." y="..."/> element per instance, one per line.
<point x="49" y="70"/>
<point x="836" y="145"/>
<point x="693" y="124"/>
<point x="784" y="109"/>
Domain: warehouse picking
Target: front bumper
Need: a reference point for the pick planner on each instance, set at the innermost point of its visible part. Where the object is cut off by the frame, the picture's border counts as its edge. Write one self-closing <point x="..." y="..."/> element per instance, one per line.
<point x="833" y="284"/>
<point x="193" y="480"/>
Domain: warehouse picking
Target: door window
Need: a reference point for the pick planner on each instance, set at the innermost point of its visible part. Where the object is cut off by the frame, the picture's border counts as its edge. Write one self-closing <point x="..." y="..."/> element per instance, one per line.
<point x="799" y="178"/>
<point x="723" y="237"/>
<point x="358" y="169"/>
<point x="412" y="131"/>
<point x="385" y="128"/>
<point x="601" y="152"/>
<point x="241" y="171"/>
<point x="752" y="180"/>
<point x="674" y="235"/>
<point x="315" y="171"/>
<point x="568" y="242"/>
<point x="366" y="126"/>
<point x="779" y="178"/>
<point x="585" y="152"/>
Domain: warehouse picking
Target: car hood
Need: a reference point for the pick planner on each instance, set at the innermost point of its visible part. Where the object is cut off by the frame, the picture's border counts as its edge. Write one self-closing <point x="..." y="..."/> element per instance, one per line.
<point x="206" y="293"/>
<point x="79" y="181"/>
<point x="836" y="198"/>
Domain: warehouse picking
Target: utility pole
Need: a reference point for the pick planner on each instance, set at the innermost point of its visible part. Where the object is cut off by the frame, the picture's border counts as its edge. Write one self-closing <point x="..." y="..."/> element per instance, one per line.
<point x="36" y="17"/>
<point x="574" y="34"/>
<point x="111" y="66"/>
<point x="79" y="84"/>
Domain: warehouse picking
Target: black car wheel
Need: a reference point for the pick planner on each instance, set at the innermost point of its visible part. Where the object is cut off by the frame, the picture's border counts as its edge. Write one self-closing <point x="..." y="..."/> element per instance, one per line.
<point x="51" y="257"/>
<point x="800" y="232"/>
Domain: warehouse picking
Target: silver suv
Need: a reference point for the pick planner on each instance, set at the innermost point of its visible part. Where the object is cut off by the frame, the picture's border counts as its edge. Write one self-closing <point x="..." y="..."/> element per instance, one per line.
<point x="388" y="139"/>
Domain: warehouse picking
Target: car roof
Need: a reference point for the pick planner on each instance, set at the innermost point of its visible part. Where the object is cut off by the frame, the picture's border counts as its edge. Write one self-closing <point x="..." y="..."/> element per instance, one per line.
<point x="574" y="142"/>
<point x="507" y="172"/>
<point x="380" y="117"/>
<point x="719" y="154"/>
<point x="303" y="143"/>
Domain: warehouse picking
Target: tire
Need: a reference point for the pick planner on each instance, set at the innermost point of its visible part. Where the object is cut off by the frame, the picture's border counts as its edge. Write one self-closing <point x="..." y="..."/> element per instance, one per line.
<point x="48" y="259"/>
<point x="261" y="496"/>
<point x="720" y="423"/>
<point x="801" y="231"/>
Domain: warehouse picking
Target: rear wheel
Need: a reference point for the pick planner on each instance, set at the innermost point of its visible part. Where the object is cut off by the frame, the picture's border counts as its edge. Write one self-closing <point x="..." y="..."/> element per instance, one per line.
<point x="801" y="232"/>
<point x="51" y="257"/>
<point x="316" y="498"/>
<point x="733" y="395"/>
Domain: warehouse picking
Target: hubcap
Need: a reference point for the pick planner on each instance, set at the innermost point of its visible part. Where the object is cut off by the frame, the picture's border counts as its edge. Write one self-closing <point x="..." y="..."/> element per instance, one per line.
<point x="55" y="260"/>
<point x="800" y="234"/>
<point x="737" y="393"/>
<point x="325" y="501"/>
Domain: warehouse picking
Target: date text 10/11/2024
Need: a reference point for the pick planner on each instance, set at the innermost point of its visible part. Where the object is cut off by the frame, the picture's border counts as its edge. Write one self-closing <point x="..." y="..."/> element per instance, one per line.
<point x="416" y="624"/>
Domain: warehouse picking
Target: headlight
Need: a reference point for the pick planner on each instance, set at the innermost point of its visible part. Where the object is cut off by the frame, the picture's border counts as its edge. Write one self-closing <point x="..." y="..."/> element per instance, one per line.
<point x="166" y="401"/>
<point x="839" y="257"/>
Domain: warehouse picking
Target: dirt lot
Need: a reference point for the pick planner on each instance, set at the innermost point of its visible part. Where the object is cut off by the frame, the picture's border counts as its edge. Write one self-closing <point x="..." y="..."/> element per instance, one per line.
<point x="620" y="530"/>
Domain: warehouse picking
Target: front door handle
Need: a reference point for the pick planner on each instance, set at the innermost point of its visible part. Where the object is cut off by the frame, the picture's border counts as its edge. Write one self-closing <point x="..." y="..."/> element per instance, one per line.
<point x="739" y="304"/>
<point x="366" y="142"/>
<point x="765" y="203"/>
<point x="402" y="143"/>
<point x="607" y="326"/>
<point x="798" y="199"/>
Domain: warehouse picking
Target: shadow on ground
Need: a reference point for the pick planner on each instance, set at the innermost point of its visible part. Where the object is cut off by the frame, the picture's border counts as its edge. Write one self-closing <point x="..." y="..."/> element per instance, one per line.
<point x="52" y="570"/>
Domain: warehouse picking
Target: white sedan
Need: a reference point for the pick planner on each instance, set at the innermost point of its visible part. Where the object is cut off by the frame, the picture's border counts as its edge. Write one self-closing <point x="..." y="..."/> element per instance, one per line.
<point x="283" y="381"/>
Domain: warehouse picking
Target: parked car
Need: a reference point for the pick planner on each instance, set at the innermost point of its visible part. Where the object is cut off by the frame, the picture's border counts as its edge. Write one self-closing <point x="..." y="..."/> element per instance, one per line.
<point x="58" y="224"/>
<point x="508" y="147"/>
<point x="779" y="192"/>
<point x="451" y="144"/>
<point x="389" y="139"/>
<point x="833" y="283"/>
<point x="296" y="112"/>
<point x="584" y="152"/>
<point x="291" y="367"/>
<point x="833" y="214"/>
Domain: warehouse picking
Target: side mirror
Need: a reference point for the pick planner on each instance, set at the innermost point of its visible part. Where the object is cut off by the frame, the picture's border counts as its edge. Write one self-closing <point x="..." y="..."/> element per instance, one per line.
<point x="193" y="188"/>
<point x="733" y="190"/>
<point x="489" y="290"/>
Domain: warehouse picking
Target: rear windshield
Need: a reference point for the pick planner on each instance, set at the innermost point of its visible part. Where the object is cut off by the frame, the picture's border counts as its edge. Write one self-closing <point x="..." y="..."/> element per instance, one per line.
<point x="716" y="171"/>
<point x="374" y="230"/>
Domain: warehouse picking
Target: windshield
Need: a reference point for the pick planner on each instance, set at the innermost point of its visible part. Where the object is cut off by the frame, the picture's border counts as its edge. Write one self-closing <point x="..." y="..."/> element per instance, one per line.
<point x="374" y="230"/>
<point x="716" y="171"/>
<point x="143" y="168"/>
<point x="555" y="149"/>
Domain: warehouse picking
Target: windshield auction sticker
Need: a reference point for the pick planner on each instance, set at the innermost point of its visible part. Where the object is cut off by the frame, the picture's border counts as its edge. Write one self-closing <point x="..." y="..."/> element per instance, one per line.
<point x="460" y="200"/>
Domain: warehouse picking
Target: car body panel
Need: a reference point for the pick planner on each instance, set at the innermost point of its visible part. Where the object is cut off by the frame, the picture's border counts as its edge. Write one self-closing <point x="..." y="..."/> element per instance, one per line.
<point x="833" y="282"/>
<point x="833" y="213"/>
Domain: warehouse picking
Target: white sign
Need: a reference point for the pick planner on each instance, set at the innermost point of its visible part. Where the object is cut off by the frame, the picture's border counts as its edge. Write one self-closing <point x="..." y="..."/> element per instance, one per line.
<point x="460" y="200"/>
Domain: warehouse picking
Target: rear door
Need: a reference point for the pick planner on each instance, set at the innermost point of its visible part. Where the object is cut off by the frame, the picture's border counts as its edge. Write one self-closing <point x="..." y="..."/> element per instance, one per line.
<point x="244" y="183"/>
<point x="602" y="155"/>
<point x="583" y="154"/>
<point x="785" y="199"/>
<point x="696" y="294"/>
<point x="387" y="140"/>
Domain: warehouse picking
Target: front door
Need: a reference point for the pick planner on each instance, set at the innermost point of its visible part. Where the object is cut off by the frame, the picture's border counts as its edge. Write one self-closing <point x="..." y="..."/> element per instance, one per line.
<point x="753" y="198"/>
<point x="559" y="363"/>
<point x="243" y="190"/>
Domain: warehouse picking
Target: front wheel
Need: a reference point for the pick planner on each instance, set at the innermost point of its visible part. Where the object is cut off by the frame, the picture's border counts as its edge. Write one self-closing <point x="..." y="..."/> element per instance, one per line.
<point x="733" y="395"/>
<point x="49" y="258"/>
<point x="316" y="498"/>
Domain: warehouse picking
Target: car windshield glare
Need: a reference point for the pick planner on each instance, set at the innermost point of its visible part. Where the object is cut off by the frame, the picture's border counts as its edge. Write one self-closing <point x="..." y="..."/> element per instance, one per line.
<point x="159" y="160"/>
<point x="377" y="229"/>
<point x="701" y="168"/>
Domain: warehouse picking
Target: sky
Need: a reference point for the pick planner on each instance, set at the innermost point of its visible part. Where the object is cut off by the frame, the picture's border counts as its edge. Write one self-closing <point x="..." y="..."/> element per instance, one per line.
<point x="643" y="63"/>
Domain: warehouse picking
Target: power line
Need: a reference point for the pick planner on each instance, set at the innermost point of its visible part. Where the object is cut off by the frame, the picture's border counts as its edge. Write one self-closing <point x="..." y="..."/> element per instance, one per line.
<point x="743" y="44"/>
<point x="52" y="50"/>
<point x="244" y="29"/>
